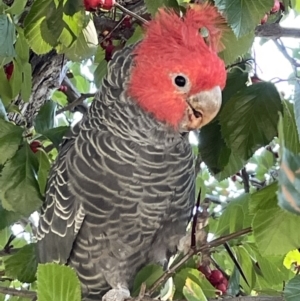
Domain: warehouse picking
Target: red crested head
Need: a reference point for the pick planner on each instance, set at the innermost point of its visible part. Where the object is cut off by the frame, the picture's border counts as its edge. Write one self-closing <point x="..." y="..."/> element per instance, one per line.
<point x="177" y="74"/>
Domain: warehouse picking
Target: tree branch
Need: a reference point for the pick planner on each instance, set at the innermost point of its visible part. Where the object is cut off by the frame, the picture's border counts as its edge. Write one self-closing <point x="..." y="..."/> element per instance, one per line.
<point x="275" y="31"/>
<point x="19" y="293"/>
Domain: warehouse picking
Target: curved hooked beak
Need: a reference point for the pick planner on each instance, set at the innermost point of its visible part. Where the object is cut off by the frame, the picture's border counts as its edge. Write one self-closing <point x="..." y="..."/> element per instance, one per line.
<point x="202" y="108"/>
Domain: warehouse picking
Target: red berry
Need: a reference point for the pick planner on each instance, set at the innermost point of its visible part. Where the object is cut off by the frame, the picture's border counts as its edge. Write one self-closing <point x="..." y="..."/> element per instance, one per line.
<point x="63" y="88"/>
<point x="216" y="277"/>
<point x="34" y="145"/>
<point x="9" y="69"/>
<point x="127" y="22"/>
<point x="233" y="178"/>
<point x="275" y="7"/>
<point x="225" y="282"/>
<point x="264" y="19"/>
<point x="205" y="270"/>
<point x="109" y="52"/>
<point x="255" y="79"/>
<point x="92" y="5"/>
<point x="221" y="287"/>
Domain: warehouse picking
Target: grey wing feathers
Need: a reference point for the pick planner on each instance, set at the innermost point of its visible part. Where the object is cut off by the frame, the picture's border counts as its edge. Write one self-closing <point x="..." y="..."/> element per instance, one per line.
<point x="61" y="215"/>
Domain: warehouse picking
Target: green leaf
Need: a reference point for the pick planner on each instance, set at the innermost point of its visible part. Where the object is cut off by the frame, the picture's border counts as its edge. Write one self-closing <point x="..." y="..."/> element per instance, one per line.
<point x="57" y="282"/>
<point x="100" y="72"/>
<point x="3" y="113"/>
<point x="37" y="33"/>
<point x="247" y="265"/>
<point x="137" y="36"/>
<point x="264" y="199"/>
<point x="235" y="217"/>
<point x="214" y="152"/>
<point x="292" y="289"/>
<point x="44" y="167"/>
<point x="22" y="47"/>
<point x="291" y="137"/>
<point x="5" y="88"/>
<point x="16" y="79"/>
<point x="244" y="15"/>
<point x="153" y="6"/>
<point x="193" y="292"/>
<point x="235" y="47"/>
<point x="7" y="218"/>
<point x="198" y="278"/>
<point x="45" y="118"/>
<point x="274" y="231"/>
<point x="249" y="119"/>
<point x="10" y="140"/>
<point x="148" y="275"/>
<point x="55" y="135"/>
<point x="23" y="264"/>
<point x="7" y="37"/>
<point x="19" y="187"/>
<point x="85" y="46"/>
<point x="289" y="180"/>
<point x="17" y="7"/>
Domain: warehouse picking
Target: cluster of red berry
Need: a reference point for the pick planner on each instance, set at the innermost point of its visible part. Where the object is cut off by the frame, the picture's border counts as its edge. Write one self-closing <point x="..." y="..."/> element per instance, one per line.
<point x="92" y="5"/>
<point x="215" y="277"/>
<point x="278" y="5"/>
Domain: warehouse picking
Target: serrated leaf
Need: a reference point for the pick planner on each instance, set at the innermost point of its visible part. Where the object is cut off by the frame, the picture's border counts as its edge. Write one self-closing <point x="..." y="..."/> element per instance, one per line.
<point x="7" y="218"/>
<point x="55" y="135"/>
<point x="57" y="282"/>
<point x="19" y="187"/>
<point x="10" y="139"/>
<point x="37" y="33"/>
<point x="235" y="217"/>
<point x="244" y="15"/>
<point x="7" y="37"/>
<point x="289" y="180"/>
<point x="274" y="233"/>
<point x="44" y="167"/>
<point x="148" y="275"/>
<point x="23" y="264"/>
<point x="45" y="117"/>
<point x="292" y="289"/>
<point x="249" y="119"/>
<point x="233" y="46"/>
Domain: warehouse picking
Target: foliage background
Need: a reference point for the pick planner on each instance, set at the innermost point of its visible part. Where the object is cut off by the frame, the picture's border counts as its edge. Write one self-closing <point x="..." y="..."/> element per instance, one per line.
<point x="253" y="208"/>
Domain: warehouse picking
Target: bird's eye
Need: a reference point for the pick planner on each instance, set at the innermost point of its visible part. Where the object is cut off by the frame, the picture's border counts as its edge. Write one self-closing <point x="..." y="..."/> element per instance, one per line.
<point x="180" y="81"/>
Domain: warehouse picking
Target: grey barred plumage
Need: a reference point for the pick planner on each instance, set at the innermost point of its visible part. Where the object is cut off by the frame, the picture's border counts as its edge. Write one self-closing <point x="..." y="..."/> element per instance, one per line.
<point x="121" y="191"/>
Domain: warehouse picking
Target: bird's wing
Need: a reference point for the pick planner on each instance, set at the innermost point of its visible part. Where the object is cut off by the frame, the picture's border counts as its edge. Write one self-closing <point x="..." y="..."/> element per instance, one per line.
<point x="61" y="215"/>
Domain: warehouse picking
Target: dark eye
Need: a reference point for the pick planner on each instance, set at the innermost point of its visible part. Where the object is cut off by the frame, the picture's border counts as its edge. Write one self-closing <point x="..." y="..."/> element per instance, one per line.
<point x="180" y="81"/>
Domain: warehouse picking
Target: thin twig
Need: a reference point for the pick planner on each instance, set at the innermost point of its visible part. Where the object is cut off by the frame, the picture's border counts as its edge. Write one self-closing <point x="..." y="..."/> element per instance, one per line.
<point x="9" y="252"/>
<point x="75" y="103"/>
<point x="215" y="243"/>
<point x="16" y="292"/>
<point x="130" y="13"/>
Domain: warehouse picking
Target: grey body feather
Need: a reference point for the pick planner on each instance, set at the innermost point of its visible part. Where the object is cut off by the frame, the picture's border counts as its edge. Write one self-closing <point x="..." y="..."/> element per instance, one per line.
<point x="120" y="193"/>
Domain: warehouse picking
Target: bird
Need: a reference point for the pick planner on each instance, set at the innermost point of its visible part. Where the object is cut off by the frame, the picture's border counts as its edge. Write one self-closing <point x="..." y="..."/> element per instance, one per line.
<point x="121" y="191"/>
